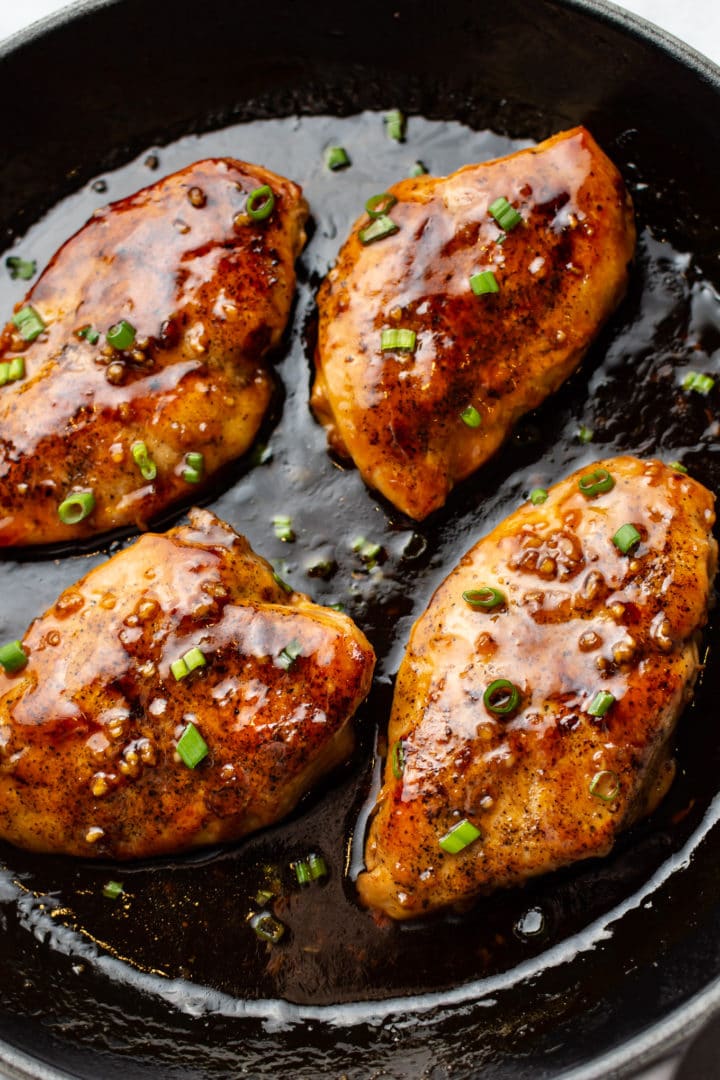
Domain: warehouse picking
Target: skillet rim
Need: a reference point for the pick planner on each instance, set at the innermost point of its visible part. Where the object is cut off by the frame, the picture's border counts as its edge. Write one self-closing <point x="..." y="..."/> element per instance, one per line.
<point x="660" y="1040"/>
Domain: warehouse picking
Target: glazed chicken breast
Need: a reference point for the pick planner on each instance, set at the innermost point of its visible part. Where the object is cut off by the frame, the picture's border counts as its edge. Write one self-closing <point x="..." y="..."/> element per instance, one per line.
<point x="177" y="696"/>
<point x="142" y="349"/>
<point x="463" y="304"/>
<point x="535" y="703"/>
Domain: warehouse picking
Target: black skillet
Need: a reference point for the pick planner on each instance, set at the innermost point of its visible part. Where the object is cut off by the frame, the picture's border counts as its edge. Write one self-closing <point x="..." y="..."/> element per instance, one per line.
<point x="587" y="973"/>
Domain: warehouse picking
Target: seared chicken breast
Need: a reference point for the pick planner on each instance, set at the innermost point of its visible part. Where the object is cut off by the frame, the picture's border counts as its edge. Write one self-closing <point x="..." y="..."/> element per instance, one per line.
<point x="496" y="279"/>
<point x="142" y="350"/>
<point x="536" y="700"/>
<point x="177" y="696"/>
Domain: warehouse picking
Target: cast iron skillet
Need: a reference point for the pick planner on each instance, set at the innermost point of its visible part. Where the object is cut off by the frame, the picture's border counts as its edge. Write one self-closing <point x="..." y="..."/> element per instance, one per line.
<point x="630" y="966"/>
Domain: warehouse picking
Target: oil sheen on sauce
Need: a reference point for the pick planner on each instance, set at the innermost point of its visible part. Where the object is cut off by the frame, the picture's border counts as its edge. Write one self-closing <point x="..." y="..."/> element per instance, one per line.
<point x="179" y="931"/>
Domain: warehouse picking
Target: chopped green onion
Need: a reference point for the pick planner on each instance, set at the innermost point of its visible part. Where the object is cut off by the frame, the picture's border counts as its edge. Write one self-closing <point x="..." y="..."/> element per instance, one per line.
<point x="585" y="434"/>
<point x="29" y="323"/>
<point x="283" y="584"/>
<point x="506" y="215"/>
<point x="336" y="158"/>
<point x="484" y="282"/>
<point x="4" y="373"/>
<point x="600" y="704"/>
<point x="368" y="550"/>
<point x="121" y="335"/>
<point x="418" y="169"/>
<point x="471" y="416"/>
<point x="90" y="334"/>
<point x="260" y="203"/>
<point x="195" y="467"/>
<point x="459" y="837"/>
<point x="263" y="897"/>
<point x="397" y="759"/>
<point x="289" y="654"/>
<point x="283" y="527"/>
<point x="12" y="370"/>
<point x="192" y="659"/>
<point x="698" y="381"/>
<point x="13" y="657"/>
<point x="266" y="927"/>
<point x="378" y="229"/>
<point x="317" y="866"/>
<point x="501" y="697"/>
<point x="378" y="205"/>
<point x="112" y="890"/>
<point x="485" y="598"/>
<point x="395" y="125"/>
<point x="678" y="467"/>
<point x="605" y="785"/>
<point x="76" y="507"/>
<point x="191" y="746"/>
<point x="597" y="482"/>
<point x="538" y="496"/>
<point x="20" y="268"/>
<point x="398" y="339"/>
<point x="302" y="872"/>
<point x="626" y="538"/>
<point x="144" y="462"/>
<point x="321" y="568"/>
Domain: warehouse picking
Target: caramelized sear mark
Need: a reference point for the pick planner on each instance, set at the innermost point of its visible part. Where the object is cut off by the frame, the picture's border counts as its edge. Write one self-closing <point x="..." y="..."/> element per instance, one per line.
<point x="603" y="661"/>
<point x="204" y="304"/>
<point x="90" y="762"/>
<point x="491" y="357"/>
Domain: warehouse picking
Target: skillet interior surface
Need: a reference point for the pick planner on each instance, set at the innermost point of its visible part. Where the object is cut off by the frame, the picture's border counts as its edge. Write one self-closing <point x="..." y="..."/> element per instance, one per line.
<point x="170" y="981"/>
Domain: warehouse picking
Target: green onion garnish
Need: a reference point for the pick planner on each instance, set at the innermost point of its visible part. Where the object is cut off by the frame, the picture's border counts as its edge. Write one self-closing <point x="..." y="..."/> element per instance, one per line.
<point x="288" y="655"/>
<point x="20" y="268"/>
<point x="144" y="462"/>
<point x="121" y="335"/>
<point x="471" y="416"/>
<point x="395" y="125"/>
<point x="459" y="837"/>
<point x="263" y="897"/>
<point x="29" y="323"/>
<point x="605" y="785"/>
<point x="191" y="746"/>
<point x="485" y="598"/>
<point x="600" y="704"/>
<point x="378" y="230"/>
<point x="260" y="203"/>
<point x="12" y="370"/>
<point x="192" y="659"/>
<point x="501" y="697"/>
<point x="266" y="927"/>
<point x="597" y="482"/>
<point x="626" y="538"/>
<point x="398" y="339"/>
<point x="283" y="584"/>
<point x="397" y="759"/>
<point x="538" y="496"/>
<point x="317" y="866"/>
<point x="699" y="382"/>
<point x="194" y="467"/>
<point x="13" y="657"/>
<point x="4" y="373"/>
<point x="283" y="527"/>
<point x="484" y="282"/>
<point x="378" y="205"/>
<point x="368" y="550"/>
<point x="418" y="169"/>
<point x="336" y="158"/>
<point x="678" y="467"/>
<point x="506" y="215"/>
<point x="302" y="872"/>
<point x="112" y="890"/>
<point x="585" y="434"/>
<point x="76" y="507"/>
<point x="90" y="334"/>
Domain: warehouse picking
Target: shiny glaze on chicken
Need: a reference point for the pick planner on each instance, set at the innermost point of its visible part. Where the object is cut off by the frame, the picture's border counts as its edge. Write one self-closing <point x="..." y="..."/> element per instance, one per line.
<point x="548" y="783"/>
<point x="208" y="292"/>
<point x="89" y="728"/>
<point x="560" y="274"/>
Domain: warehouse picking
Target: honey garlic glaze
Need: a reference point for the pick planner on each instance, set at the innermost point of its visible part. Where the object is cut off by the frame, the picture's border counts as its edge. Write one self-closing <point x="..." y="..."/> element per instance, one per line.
<point x="628" y="393"/>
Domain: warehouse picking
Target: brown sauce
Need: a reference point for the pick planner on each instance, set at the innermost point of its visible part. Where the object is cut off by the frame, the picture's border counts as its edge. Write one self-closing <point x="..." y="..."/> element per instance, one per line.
<point x="185" y="919"/>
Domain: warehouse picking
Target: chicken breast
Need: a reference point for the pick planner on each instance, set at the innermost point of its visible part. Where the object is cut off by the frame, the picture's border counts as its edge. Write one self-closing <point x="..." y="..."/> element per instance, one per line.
<point x="498" y="313"/>
<point x="143" y="345"/>
<point x="177" y="696"/>
<point x="539" y="690"/>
